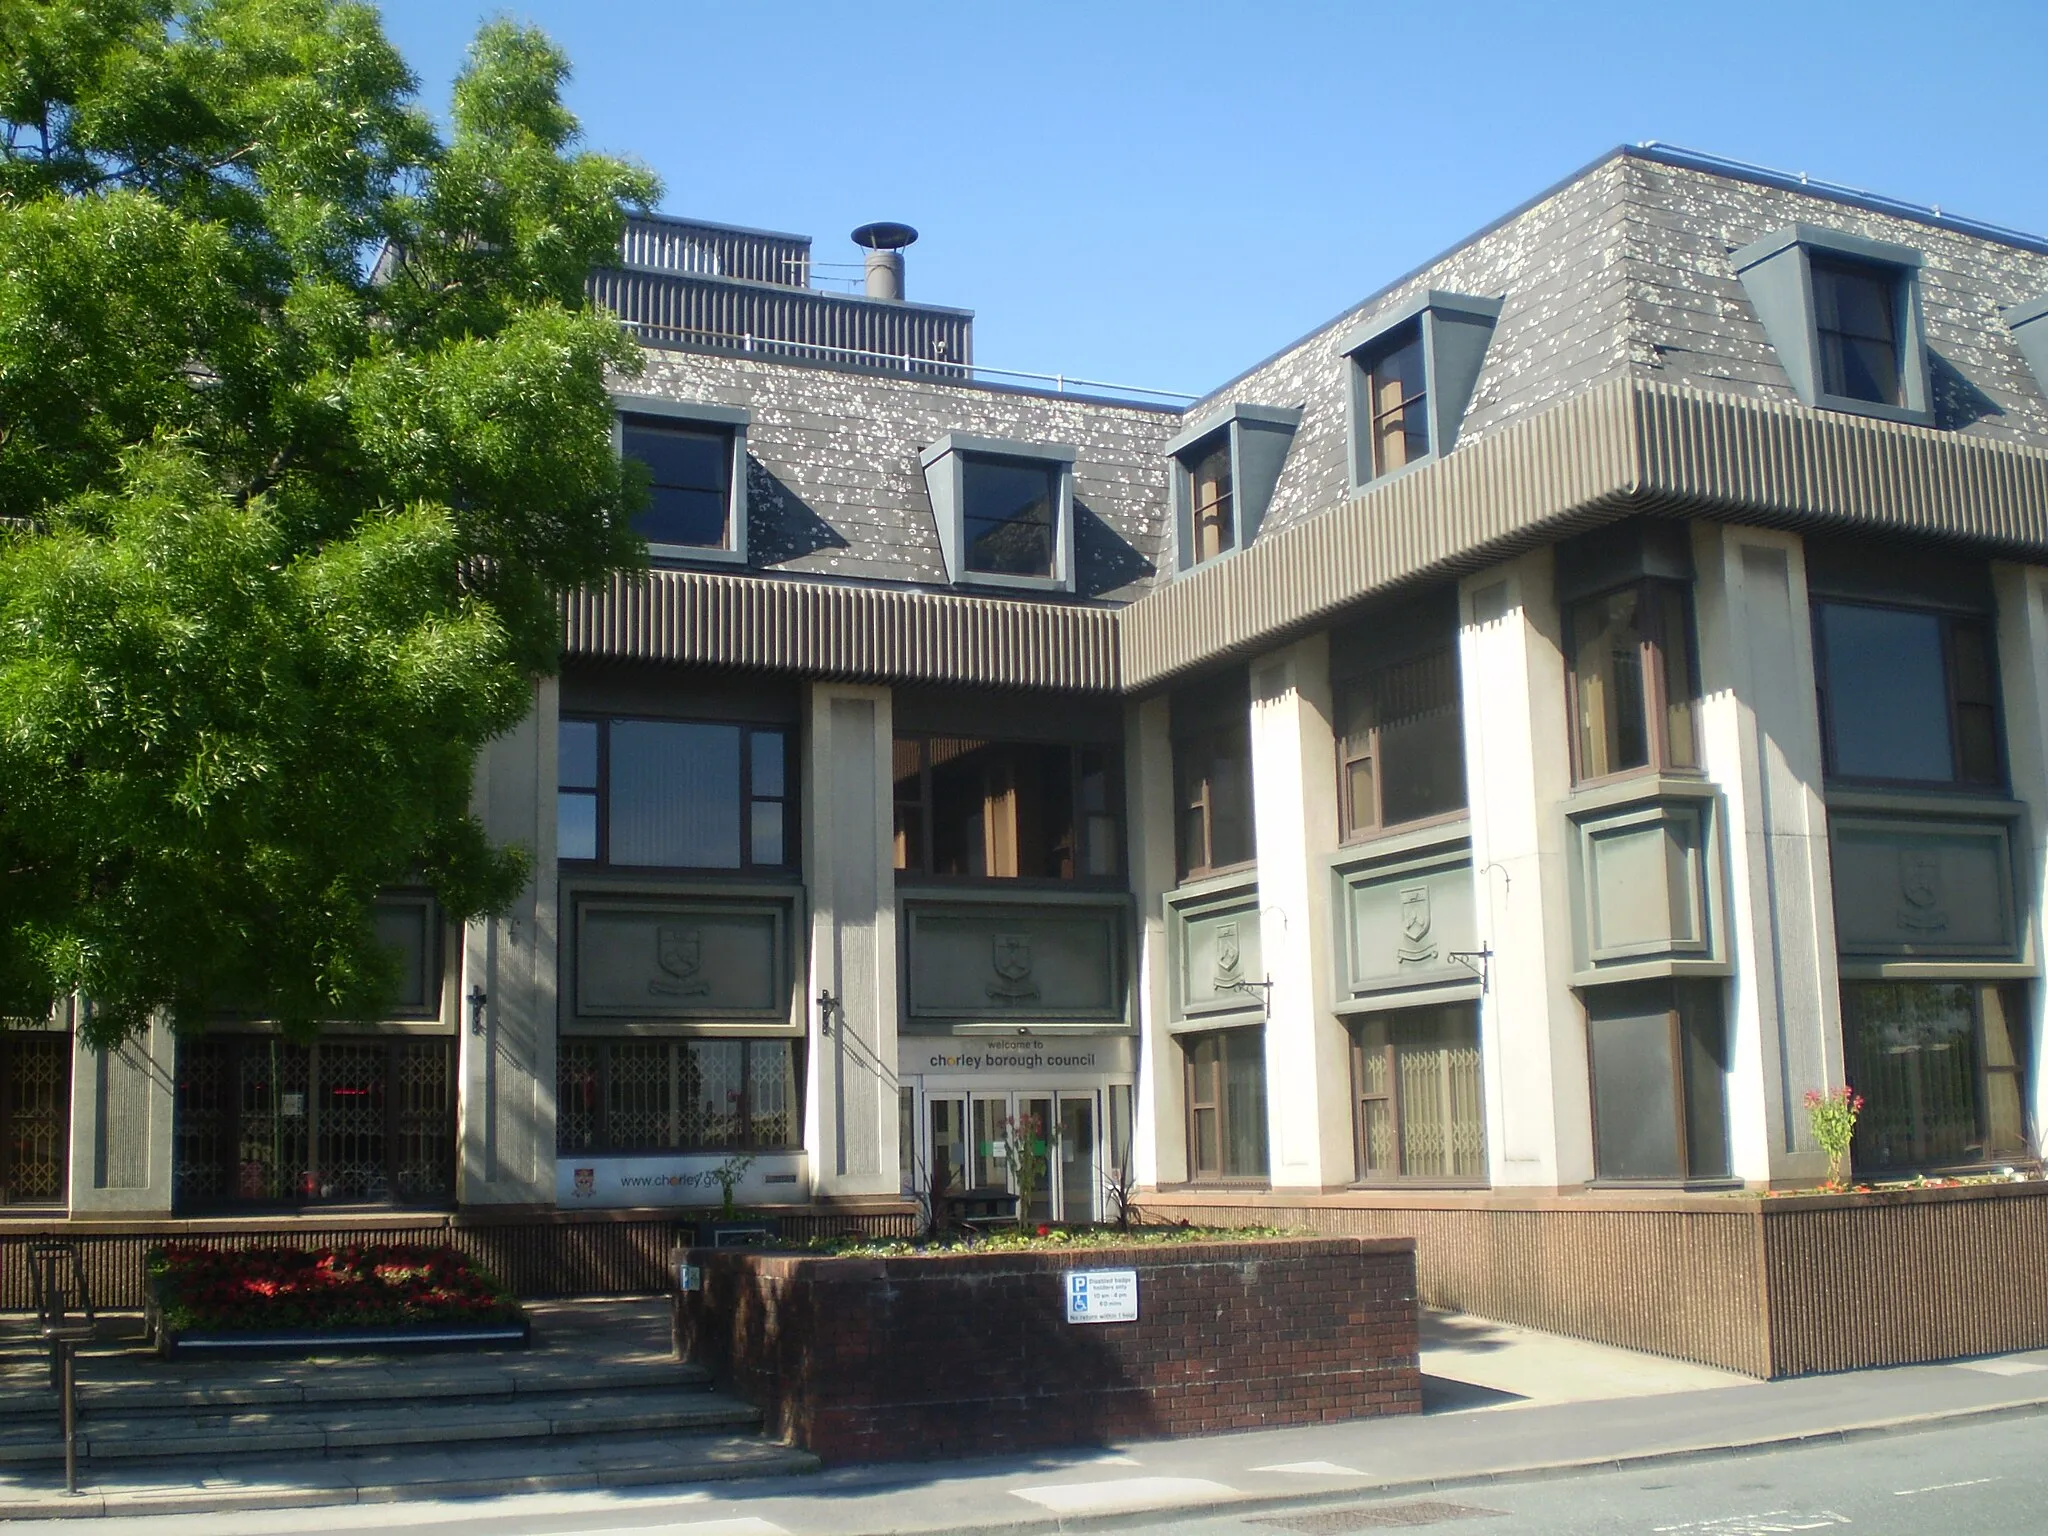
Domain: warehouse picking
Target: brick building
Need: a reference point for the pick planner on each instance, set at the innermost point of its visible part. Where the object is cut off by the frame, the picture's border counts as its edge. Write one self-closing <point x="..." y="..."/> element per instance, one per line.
<point x="1520" y="737"/>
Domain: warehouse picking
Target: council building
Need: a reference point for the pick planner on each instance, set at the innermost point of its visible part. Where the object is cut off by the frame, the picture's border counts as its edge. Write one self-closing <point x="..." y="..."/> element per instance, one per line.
<point x="1513" y="743"/>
